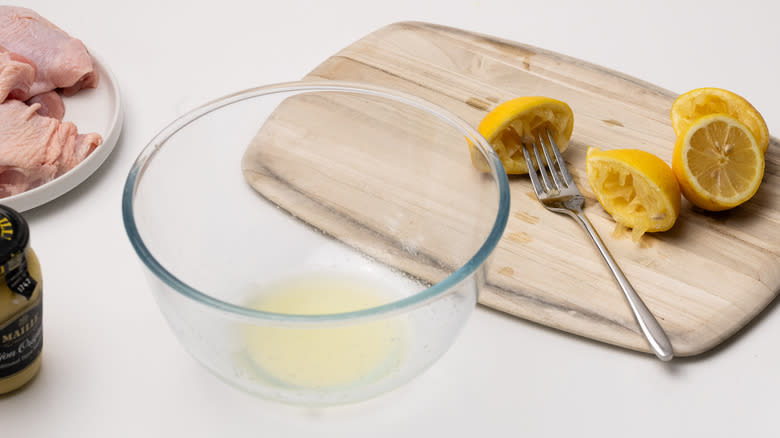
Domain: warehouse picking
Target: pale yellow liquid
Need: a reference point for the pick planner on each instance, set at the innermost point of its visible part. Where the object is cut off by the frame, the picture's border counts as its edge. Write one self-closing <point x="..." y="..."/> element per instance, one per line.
<point x="325" y="357"/>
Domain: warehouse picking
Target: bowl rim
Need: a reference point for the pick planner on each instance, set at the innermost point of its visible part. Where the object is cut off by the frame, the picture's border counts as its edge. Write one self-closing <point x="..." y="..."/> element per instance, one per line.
<point x="386" y="310"/>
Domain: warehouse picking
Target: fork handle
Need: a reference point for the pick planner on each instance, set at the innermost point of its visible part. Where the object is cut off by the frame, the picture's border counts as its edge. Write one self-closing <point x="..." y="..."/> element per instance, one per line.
<point x="653" y="331"/>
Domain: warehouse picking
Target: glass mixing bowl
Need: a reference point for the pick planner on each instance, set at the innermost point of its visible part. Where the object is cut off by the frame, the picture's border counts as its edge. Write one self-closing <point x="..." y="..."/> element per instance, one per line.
<point x="316" y="243"/>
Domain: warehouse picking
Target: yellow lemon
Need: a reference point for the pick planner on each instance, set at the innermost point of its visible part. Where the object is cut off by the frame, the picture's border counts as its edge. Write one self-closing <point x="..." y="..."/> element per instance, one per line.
<point x="694" y="104"/>
<point x="636" y="188"/>
<point x="519" y="120"/>
<point x="718" y="162"/>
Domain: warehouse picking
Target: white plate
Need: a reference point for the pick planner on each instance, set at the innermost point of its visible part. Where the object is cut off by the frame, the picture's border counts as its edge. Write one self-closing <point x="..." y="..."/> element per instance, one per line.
<point x="92" y="110"/>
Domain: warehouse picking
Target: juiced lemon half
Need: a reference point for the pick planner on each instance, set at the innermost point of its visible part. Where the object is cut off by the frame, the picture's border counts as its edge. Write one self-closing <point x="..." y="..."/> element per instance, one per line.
<point x="520" y="120"/>
<point x="636" y="188"/>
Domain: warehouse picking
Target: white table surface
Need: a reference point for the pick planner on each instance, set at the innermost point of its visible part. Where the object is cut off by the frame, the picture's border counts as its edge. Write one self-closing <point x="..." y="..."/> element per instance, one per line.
<point x="113" y="368"/>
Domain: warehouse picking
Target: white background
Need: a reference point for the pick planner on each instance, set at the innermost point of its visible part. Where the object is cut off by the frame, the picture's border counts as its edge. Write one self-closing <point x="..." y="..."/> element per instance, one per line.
<point x="113" y="368"/>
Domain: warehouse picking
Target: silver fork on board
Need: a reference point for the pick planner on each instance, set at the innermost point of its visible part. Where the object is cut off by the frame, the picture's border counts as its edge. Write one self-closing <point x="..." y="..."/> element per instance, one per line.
<point x="557" y="191"/>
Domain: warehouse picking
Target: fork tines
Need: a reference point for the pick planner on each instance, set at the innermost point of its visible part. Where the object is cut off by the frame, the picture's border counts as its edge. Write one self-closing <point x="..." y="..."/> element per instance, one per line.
<point x="559" y="177"/>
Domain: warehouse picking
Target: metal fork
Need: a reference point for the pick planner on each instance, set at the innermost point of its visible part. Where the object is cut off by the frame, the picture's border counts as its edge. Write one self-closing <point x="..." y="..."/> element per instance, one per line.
<point x="558" y="192"/>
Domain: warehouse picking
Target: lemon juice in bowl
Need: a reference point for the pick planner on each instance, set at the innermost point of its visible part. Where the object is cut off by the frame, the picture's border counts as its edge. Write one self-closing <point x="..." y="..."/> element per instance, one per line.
<point x="325" y="357"/>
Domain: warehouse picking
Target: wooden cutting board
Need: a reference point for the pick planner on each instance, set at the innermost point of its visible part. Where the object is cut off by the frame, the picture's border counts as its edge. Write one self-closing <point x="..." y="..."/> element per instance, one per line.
<point x="704" y="279"/>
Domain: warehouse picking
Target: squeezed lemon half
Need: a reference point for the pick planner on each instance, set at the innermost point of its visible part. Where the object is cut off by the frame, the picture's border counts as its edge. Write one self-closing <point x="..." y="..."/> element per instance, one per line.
<point x="635" y="187"/>
<point x="511" y="123"/>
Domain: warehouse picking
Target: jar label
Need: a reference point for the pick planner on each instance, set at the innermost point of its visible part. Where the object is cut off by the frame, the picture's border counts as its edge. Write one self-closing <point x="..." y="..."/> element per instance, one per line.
<point x="21" y="340"/>
<point x="17" y="277"/>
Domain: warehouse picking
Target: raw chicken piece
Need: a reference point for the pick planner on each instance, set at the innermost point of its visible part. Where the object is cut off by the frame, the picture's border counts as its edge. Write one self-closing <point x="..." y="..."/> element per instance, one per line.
<point x="62" y="61"/>
<point x="51" y="104"/>
<point x="17" y="75"/>
<point x="35" y="149"/>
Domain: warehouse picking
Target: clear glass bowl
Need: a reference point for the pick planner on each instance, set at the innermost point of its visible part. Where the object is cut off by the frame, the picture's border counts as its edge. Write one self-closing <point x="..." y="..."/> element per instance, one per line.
<point x="316" y="242"/>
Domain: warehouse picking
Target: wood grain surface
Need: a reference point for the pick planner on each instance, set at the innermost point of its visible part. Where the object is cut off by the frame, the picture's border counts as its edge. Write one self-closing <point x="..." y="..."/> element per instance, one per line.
<point x="703" y="280"/>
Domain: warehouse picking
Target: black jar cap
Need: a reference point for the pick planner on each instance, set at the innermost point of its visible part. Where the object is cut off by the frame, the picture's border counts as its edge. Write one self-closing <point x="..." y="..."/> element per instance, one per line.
<point x="14" y="233"/>
<point x="14" y="237"/>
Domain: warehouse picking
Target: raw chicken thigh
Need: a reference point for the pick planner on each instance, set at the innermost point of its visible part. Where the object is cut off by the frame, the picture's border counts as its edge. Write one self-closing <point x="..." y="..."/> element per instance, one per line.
<point x="35" y="149"/>
<point x="62" y="61"/>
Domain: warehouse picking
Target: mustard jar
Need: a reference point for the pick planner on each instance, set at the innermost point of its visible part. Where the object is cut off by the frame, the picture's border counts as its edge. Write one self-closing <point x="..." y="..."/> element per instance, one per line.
<point x="21" y="303"/>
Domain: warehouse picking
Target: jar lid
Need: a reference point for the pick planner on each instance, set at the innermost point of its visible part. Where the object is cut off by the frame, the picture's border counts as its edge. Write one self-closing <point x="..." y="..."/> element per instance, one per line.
<point x="14" y="234"/>
<point x="14" y="237"/>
